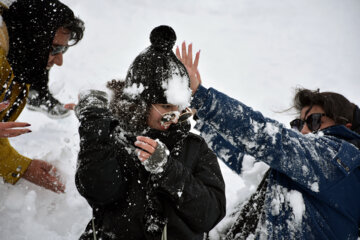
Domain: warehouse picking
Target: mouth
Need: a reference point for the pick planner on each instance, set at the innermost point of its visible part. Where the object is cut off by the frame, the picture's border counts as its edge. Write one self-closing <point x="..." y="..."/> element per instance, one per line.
<point x="165" y="126"/>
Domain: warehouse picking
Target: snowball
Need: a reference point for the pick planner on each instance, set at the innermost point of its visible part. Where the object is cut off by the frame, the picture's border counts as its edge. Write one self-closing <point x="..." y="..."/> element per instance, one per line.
<point x="177" y="90"/>
<point x="134" y="90"/>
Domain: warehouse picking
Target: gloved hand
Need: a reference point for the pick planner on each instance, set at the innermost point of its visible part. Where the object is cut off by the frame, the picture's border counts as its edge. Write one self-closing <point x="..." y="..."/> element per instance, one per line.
<point x="153" y="154"/>
<point x="90" y="99"/>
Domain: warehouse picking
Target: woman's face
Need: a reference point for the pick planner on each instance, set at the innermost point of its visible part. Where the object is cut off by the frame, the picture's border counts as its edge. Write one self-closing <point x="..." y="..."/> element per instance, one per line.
<point x="324" y="122"/>
<point x="155" y="116"/>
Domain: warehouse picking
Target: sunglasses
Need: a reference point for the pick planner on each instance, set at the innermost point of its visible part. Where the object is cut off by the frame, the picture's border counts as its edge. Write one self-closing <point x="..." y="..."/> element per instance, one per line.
<point x="313" y="122"/>
<point x="175" y="115"/>
<point x="56" y="49"/>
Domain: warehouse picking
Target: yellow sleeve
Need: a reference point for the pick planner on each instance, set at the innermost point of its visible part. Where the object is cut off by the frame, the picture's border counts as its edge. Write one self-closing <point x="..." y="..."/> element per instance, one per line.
<point x="12" y="164"/>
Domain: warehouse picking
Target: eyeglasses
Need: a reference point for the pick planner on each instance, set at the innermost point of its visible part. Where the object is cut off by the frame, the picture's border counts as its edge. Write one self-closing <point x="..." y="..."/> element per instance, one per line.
<point x="172" y="116"/>
<point x="313" y="122"/>
<point x="56" y="49"/>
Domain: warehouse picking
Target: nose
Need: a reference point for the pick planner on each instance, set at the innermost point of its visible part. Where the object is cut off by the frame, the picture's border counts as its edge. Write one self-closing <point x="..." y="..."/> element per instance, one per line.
<point x="58" y="60"/>
<point x="305" y="129"/>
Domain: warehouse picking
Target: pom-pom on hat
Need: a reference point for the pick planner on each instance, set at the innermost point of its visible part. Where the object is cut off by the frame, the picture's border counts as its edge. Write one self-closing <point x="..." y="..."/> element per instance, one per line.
<point x="156" y="75"/>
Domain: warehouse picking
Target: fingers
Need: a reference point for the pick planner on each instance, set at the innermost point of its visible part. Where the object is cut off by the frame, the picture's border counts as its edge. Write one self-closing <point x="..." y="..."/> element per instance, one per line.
<point x="150" y="149"/>
<point x="196" y="61"/>
<point x="45" y="165"/>
<point x="147" y="140"/>
<point x="189" y="57"/>
<point x="70" y="106"/>
<point x="4" y="105"/>
<point x="5" y="125"/>
<point x="44" y="175"/>
<point x="142" y="155"/>
<point x="8" y="133"/>
<point x="53" y="183"/>
<point x="183" y="50"/>
<point x="147" y="147"/>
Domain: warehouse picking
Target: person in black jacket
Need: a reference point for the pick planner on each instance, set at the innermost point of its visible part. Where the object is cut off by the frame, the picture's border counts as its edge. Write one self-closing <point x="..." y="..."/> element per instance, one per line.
<point x="140" y="169"/>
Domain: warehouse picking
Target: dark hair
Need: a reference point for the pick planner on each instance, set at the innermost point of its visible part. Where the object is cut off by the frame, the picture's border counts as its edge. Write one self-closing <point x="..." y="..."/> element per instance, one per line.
<point x="335" y="105"/>
<point x="76" y="27"/>
<point x="132" y="113"/>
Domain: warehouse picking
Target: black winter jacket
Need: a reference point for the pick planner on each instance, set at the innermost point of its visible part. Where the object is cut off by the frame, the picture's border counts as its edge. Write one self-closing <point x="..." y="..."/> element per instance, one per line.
<point x="188" y="194"/>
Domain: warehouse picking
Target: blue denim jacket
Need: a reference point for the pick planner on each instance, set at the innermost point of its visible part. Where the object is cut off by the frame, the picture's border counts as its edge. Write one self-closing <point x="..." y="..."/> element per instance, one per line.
<point x="314" y="182"/>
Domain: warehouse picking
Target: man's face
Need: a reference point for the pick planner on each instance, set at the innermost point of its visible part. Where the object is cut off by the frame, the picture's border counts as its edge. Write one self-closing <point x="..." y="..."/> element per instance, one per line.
<point x="62" y="37"/>
<point x="155" y="116"/>
<point x="325" y="121"/>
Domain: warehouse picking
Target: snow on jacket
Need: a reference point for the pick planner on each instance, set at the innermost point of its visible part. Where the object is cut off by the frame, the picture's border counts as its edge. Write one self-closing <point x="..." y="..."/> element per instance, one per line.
<point x="190" y="190"/>
<point x="313" y="186"/>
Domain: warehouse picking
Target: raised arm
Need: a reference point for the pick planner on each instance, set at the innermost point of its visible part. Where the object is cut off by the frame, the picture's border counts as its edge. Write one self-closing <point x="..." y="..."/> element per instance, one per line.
<point x="98" y="176"/>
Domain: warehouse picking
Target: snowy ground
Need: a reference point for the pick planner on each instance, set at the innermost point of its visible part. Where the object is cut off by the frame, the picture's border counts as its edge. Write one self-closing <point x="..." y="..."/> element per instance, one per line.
<point x="257" y="51"/>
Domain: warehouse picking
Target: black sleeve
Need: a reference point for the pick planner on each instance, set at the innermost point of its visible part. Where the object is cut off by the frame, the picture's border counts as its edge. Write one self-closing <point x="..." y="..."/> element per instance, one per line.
<point x="98" y="177"/>
<point x="199" y="194"/>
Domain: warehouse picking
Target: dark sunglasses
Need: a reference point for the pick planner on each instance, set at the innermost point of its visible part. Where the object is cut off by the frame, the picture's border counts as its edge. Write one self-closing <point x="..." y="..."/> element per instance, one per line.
<point x="313" y="122"/>
<point x="56" y="49"/>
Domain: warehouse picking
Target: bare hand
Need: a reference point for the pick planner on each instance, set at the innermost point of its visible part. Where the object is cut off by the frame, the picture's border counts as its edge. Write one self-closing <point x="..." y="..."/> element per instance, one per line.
<point x="192" y="67"/>
<point x="4" y="105"/>
<point x="70" y="106"/>
<point x="7" y="129"/>
<point x="147" y="145"/>
<point x="44" y="175"/>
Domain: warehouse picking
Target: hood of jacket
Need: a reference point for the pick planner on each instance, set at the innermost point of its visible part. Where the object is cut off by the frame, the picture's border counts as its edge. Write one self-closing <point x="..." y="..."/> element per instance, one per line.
<point x="32" y="25"/>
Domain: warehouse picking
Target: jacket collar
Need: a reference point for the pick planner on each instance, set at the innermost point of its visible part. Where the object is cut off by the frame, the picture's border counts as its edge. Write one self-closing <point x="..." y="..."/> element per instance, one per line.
<point x="342" y="132"/>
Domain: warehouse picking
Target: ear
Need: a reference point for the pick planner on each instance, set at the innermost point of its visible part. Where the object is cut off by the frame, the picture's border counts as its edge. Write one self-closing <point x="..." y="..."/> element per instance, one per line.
<point x="348" y="125"/>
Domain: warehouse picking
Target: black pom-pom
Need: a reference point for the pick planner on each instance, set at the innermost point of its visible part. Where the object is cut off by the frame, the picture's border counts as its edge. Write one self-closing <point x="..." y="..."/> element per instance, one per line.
<point x="163" y="38"/>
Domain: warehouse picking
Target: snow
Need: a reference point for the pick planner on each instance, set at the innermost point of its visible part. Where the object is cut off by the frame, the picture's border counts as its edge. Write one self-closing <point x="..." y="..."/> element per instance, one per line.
<point x="257" y="51"/>
<point x="177" y="90"/>
<point x="297" y="203"/>
<point x="134" y="90"/>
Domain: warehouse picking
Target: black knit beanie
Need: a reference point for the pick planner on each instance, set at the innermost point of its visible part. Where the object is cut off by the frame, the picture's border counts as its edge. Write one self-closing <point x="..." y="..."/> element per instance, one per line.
<point x="156" y="68"/>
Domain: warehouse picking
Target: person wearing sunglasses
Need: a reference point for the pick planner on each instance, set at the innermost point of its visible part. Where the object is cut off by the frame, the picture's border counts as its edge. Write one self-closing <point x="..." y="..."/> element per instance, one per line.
<point x="34" y="35"/>
<point x="139" y="167"/>
<point x="312" y="188"/>
<point x="39" y="38"/>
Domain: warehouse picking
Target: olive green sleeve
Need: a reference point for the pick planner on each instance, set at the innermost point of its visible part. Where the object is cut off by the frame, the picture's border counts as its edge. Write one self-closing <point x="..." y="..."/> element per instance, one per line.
<point x="12" y="164"/>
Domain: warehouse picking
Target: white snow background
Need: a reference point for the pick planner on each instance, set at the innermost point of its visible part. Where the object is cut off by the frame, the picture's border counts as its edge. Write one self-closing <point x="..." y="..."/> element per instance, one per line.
<point x="256" y="51"/>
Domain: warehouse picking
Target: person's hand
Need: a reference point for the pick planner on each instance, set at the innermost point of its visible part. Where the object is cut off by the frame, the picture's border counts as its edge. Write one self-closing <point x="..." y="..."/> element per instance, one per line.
<point x="146" y="147"/>
<point x="7" y="128"/>
<point x="153" y="154"/>
<point x="192" y="67"/>
<point x="4" y="105"/>
<point x="44" y="175"/>
<point x="70" y="106"/>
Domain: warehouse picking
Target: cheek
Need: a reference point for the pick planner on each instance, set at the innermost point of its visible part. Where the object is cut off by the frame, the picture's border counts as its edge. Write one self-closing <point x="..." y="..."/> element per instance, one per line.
<point x="51" y="58"/>
<point x="152" y="119"/>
